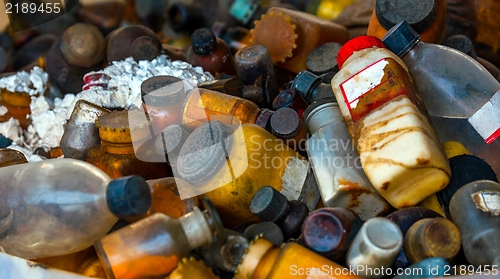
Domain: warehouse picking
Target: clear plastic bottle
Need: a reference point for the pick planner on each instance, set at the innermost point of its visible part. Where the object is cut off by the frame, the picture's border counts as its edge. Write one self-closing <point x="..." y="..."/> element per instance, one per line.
<point x="385" y="116"/>
<point x="461" y="96"/>
<point x="61" y="206"/>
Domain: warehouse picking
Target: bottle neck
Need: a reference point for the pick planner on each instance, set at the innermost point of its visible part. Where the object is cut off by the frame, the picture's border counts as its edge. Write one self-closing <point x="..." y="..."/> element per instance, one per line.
<point x="197" y="229"/>
<point x="410" y="47"/>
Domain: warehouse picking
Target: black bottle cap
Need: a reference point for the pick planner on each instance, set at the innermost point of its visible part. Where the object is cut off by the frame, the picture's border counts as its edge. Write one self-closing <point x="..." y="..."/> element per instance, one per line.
<point x="464" y="169"/>
<point x="128" y="196"/>
<point x="4" y="141"/>
<point x="145" y="48"/>
<point x="271" y="232"/>
<point x="269" y="204"/>
<point x="323" y="59"/>
<point x="204" y="152"/>
<point x="419" y="14"/>
<point x="161" y="91"/>
<point x="293" y="220"/>
<point x="461" y="43"/>
<point x="285" y="123"/>
<point x="304" y="82"/>
<point x="401" y="38"/>
<point x="203" y="41"/>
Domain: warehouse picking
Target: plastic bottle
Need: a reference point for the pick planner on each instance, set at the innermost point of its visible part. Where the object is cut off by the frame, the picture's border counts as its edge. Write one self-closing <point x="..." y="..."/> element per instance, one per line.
<point x="155" y="245"/>
<point x="272" y="206"/>
<point x="461" y="96"/>
<point x="291" y="35"/>
<point x="162" y="98"/>
<point x="202" y="105"/>
<point x="432" y="237"/>
<point x="427" y="17"/>
<point x="116" y="154"/>
<point x="340" y="177"/>
<point x="474" y="209"/>
<point x="385" y="115"/>
<point x="229" y="164"/>
<point x="330" y="231"/>
<point x="290" y="261"/>
<point x="376" y="246"/>
<point x="61" y="206"/>
<point x="210" y="53"/>
<point x="81" y="133"/>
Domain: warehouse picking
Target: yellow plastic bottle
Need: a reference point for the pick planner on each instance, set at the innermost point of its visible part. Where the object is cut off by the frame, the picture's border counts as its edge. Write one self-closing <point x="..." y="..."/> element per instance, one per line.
<point x="399" y="149"/>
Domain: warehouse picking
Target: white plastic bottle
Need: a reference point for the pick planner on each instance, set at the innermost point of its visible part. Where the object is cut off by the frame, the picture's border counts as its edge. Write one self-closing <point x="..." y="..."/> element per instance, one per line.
<point x="399" y="149"/>
<point x="61" y="206"/>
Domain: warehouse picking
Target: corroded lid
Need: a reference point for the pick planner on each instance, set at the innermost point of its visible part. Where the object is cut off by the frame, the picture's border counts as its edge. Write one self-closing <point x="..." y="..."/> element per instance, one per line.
<point x="117" y="126"/>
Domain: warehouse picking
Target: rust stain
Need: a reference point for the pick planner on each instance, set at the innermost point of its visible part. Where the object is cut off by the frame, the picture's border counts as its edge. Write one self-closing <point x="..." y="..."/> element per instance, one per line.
<point x="385" y="185"/>
<point x="422" y="161"/>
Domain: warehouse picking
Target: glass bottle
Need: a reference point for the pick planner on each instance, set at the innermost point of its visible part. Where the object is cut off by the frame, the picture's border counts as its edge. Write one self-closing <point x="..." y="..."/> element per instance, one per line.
<point x="190" y="268"/>
<point x="155" y="245"/>
<point x="427" y="17"/>
<point x="290" y="98"/>
<point x="225" y="255"/>
<point x="311" y="87"/>
<point x="204" y="105"/>
<point x="255" y="68"/>
<point x="264" y="260"/>
<point x="272" y="206"/>
<point x="432" y="237"/>
<point x="81" y="133"/>
<point x="385" y="114"/>
<point x="475" y="210"/>
<point x="210" y="53"/>
<point x="330" y="231"/>
<point x="339" y="174"/>
<point x="404" y="218"/>
<point x="165" y="199"/>
<point x="116" y="154"/>
<point x="291" y="35"/>
<point x="376" y="246"/>
<point x="286" y="125"/>
<point x="61" y="206"/>
<point x="10" y="157"/>
<point x="458" y="101"/>
<point x="229" y="164"/>
<point x="162" y="98"/>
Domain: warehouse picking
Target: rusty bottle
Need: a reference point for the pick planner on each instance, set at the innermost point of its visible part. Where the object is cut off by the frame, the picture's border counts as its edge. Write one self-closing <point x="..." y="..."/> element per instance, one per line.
<point x="155" y="245"/>
<point x="120" y="133"/>
<point x="385" y="114"/>
<point x="210" y="53"/>
<point x="291" y="35"/>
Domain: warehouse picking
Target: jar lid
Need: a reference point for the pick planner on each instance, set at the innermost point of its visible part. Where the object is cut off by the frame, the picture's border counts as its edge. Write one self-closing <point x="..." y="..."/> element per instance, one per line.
<point x="162" y="91"/>
<point x="128" y="196"/>
<point x="401" y="38"/>
<point x="323" y="59"/>
<point x="203" y="41"/>
<point x="145" y="48"/>
<point x="269" y="204"/>
<point x="355" y="44"/>
<point x="285" y="123"/>
<point x="204" y="152"/>
<point x="419" y="14"/>
<point x="280" y="44"/>
<point x="117" y="126"/>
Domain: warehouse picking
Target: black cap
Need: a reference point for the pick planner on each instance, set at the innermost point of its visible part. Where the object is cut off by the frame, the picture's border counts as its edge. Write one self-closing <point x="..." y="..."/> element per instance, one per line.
<point x="461" y="43"/>
<point x="304" y="82"/>
<point x="203" y="41"/>
<point x="419" y="14"/>
<point x="401" y="38"/>
<point x="4" y="141"/>
<point x="128" y="196"/>
<point x="285" y="123"/>
<point x="204" y="152"/>
<point x="145" y="48"/>
<point x="323" y="59"/>
<point x="269" y="204"/>
<point x="465" y="168"/>
<point x="160" y="91"/>
<point x="271" y="232"/>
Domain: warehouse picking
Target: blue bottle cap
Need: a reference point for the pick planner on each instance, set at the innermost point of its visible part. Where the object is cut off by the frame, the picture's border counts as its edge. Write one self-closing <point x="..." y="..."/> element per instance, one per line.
<point x="128" y="196"/>
<point x="401" y="38"/>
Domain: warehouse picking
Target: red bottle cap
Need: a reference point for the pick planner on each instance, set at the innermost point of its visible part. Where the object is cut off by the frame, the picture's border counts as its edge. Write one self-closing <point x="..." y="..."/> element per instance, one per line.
<point x="356" y="44"/>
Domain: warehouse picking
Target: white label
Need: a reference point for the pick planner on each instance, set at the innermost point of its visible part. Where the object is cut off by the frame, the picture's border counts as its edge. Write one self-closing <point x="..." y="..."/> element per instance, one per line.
<point x="487" y="201"/>
<point x="486" y="120"/>
<point x="362" y="82"/>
